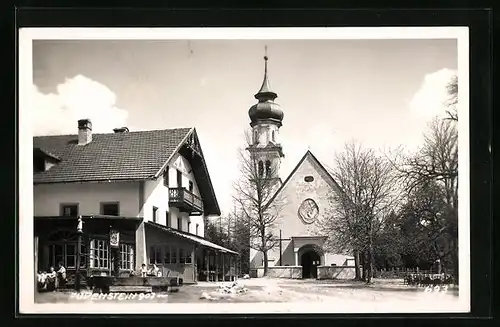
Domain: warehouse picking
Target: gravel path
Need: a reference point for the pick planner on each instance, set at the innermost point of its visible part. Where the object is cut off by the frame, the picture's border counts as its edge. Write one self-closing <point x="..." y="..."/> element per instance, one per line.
<point x="271" y="291"/>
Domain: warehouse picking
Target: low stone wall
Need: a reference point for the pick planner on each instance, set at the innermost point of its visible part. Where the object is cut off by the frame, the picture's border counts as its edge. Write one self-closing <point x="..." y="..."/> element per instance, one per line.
<point x="293" y="272"/>
<point x="336" y="272"/>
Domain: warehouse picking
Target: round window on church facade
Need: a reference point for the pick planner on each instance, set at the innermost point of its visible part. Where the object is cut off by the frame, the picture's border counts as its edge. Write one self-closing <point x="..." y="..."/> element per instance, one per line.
<point x="308" y="179"/>
<point x="308" y="211"/>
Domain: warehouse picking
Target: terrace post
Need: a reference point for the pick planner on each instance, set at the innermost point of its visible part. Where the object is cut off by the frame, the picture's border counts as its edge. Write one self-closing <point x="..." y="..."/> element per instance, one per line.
<point x="79" y="230"/>
<point x="216" y="266"/>
<point x="223" y="270"/>
<point x="206" y="256"/>
<point x="36" y="259"/>
<point x="114" y="242"/>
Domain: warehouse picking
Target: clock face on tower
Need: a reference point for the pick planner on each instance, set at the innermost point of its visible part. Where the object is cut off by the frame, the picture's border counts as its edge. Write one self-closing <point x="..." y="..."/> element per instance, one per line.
<point x="308" y="211"/>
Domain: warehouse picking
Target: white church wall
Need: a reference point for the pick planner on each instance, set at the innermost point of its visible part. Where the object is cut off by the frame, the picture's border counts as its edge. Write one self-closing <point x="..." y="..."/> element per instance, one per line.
<point x="296" y="191"/>
<point x="320" y="189"/>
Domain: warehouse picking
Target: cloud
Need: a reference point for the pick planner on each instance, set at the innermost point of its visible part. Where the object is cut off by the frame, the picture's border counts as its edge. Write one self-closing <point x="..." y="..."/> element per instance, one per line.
<point x="78" y="97"/>
<point x="429" y="100"/>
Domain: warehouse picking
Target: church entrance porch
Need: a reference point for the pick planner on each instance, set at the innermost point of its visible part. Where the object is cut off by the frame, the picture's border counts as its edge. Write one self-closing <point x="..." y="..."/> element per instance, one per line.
<point x="309" y="261"/>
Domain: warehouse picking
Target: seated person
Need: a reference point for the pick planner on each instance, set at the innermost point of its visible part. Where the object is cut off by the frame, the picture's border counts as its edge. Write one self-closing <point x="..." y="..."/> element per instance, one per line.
<point x="51" y="280"/>
<point x="154" y="271"/>
<point x="144" y="270"/>
<point x="41" y="280"/>
<point x="61" y="275"/>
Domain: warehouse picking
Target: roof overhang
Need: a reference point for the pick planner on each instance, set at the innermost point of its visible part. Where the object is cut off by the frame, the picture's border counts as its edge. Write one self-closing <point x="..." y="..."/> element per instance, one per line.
<point x="191" y="238"/>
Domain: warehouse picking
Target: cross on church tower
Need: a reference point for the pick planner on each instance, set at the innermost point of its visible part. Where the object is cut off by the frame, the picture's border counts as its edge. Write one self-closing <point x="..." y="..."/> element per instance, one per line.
<point x="266" y="119"/>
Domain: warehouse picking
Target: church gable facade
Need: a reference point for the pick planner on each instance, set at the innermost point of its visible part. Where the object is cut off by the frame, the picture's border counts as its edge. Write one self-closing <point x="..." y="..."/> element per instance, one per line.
<point x="305" y="199"/>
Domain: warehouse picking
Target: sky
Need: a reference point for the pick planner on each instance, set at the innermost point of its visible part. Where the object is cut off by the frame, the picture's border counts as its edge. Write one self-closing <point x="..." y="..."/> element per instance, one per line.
<point x="381" y="92"/>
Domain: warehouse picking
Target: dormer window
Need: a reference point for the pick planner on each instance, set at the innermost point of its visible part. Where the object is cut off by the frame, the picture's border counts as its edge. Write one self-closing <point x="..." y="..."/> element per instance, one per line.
<point x="43" y="160"/>
<point x="38" y="164"/>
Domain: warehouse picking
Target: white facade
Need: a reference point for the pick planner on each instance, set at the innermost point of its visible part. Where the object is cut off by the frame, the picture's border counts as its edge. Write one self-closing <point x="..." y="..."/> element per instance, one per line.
<point x="48" y="198"/>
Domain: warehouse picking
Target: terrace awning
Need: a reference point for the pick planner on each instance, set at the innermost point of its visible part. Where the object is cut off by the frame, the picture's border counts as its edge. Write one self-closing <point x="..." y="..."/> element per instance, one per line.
<point x="193" y="238"/>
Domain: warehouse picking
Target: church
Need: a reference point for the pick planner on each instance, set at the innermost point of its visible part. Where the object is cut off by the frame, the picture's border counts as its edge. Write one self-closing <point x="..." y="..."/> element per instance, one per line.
<point x="304" y="199"/>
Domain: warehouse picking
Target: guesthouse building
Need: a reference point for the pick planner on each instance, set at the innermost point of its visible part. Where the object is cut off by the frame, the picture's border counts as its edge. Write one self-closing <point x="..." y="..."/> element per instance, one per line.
<point x="142" y="197"/>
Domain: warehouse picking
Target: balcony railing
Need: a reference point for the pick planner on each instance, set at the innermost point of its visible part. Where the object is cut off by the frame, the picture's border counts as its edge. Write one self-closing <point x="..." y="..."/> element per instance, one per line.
<point x="185" y="200"/>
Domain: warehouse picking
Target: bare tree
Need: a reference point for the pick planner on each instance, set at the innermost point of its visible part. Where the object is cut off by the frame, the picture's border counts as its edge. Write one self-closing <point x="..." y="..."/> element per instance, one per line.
<point x="452" y="101"/>
<point x="436" y="163"/>
<point x="239" y="236"/>
<point x="253" y="193"/>
<point x="367" y="195"/>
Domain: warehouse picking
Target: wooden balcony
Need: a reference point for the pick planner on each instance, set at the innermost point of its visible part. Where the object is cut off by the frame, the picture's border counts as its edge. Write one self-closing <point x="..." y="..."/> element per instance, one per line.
<point x="185" y="200"/>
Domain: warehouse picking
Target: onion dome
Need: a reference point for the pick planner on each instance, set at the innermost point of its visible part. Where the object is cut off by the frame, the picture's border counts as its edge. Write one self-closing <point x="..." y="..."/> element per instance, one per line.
<point x="266" y="108"/>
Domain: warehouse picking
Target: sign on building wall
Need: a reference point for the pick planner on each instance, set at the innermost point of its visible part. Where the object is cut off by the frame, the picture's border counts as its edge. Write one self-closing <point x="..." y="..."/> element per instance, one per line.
<point x="114" y="238"/>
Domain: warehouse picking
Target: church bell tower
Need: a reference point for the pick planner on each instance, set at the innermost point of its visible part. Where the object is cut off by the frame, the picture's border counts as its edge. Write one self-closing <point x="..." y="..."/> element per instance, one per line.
<point x="266" y="119"/>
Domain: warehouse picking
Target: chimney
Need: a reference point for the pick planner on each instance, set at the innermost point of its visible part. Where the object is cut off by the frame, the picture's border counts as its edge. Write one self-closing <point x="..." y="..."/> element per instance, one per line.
<point x="84" y="131"/>
<point x="121" y="130"/>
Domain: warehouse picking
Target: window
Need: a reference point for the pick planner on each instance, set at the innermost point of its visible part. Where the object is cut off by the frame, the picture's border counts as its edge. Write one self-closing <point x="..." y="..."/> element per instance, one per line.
<point x="155" y="214"/>
<point x="188" y="259"/>
<point x="170" y="254"/>
<point x="155" y="255"/>
<point x="197" y="226"/>
<point x="165" y="177"/>
<point x="179" y="178"/>
<point x="189" y="227"/>
<point x="99" y="254"/>
<point x="166" y="254"/>
<point x="179" y="223"/>
<point x="261" y="169"/>
<point x="66" y="254"/>
<point x="268" y="168"/>
<point x="191" y="186"/>
<point x="255" y="136"/>
<point x="127" y="256"/>
<point x="69" y="210"/>
<point x="62" y="246"/>
<point x="110" y="209"/>
<point x="167" y="223"/>
<point x="308" y="179"/>
<point x="182" y="258"/>
<point x="173" y="253"/>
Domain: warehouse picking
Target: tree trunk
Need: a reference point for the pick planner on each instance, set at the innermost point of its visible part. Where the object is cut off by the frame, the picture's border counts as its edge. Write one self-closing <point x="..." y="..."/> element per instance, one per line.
<point x="356" y="265"/>
<point x="363" y="265"/>
<point x="454" y="261"/>
<point x="266" y="264"/>
<point x="369" y="273"/>
<point x="370" y="258"/>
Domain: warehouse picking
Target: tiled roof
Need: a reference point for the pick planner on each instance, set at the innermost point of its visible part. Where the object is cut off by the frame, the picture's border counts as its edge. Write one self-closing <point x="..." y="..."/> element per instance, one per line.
<point x="115" y="156"/>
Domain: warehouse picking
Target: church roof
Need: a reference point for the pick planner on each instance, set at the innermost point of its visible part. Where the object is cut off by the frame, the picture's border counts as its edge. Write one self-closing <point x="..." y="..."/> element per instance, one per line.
<point x="309" y="154"/>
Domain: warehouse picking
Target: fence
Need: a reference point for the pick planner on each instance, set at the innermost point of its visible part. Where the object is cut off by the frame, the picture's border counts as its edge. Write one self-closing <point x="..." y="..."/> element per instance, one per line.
<point x="399" y="273"/>
<point x="413" y="276"/>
